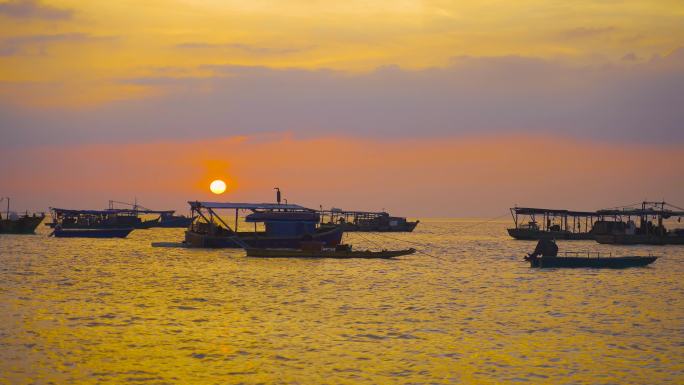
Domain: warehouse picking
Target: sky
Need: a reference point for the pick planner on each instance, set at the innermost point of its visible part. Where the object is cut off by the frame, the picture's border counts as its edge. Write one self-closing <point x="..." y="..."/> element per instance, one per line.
<point x="423" y="108"/>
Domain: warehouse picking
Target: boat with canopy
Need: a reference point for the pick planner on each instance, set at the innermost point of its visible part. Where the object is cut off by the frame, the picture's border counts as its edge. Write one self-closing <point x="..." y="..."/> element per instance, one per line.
<point x="647" y="224"/>
<point x="285" y="225"/>
<point x="69" y="223"/>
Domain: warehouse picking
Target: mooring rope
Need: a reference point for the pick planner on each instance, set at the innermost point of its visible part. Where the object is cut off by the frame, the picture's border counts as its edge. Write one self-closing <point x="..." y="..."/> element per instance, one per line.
<point x="412" y="242"/>
<point x="368" y="240"/>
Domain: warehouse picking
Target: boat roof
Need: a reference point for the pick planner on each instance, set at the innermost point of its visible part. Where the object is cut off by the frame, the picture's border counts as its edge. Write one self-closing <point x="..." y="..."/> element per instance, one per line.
<point x="559" y="212"/>
<point x="347" y="212"/>
<point x="77" y="212"/>
<point x="638" y="212"/>
<point x="246" y="206"/>
<point x="109" y="211"/>
<point x="139" y="211"/>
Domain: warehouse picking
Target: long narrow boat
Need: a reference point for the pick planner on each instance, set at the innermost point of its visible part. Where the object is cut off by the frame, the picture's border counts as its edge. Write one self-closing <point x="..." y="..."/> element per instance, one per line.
<point x="326" y="253"/>
<point x="92" y="233"/>
<point x="594" y="262"/>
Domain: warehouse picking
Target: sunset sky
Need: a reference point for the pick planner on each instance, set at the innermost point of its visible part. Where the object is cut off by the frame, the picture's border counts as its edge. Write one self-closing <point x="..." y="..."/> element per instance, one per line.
<point x="424" y="108"/>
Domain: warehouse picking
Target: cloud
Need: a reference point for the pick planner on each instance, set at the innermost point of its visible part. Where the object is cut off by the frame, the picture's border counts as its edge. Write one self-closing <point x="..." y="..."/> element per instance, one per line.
<point x="33" y="9"/>
<point x="251" y="49"/>
<point x="639" y="102"/>
<point x="37" y="44"/>
<point x="585" y="32"/>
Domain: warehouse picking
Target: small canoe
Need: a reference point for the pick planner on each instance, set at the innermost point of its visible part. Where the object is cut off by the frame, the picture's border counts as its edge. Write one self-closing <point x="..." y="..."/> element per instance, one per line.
<point x="601" y="262"/>
<point x="92" y="233"/>
<point x="326" y="253"/>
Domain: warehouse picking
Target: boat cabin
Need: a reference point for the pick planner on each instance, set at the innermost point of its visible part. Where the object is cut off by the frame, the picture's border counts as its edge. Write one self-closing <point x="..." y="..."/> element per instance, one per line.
<point x="284" y="225"/>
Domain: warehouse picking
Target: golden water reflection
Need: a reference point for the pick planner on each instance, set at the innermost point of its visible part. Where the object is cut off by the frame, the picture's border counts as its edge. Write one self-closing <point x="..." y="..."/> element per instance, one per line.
<point x="120" y="311"/>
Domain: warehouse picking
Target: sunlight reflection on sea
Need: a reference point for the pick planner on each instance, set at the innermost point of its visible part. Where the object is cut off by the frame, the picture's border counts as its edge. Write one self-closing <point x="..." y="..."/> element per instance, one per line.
<point x="120" y="311"/>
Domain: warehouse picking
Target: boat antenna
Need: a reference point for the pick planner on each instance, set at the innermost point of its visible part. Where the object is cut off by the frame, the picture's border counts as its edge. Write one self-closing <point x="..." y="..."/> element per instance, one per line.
<point x="277" y="194"/>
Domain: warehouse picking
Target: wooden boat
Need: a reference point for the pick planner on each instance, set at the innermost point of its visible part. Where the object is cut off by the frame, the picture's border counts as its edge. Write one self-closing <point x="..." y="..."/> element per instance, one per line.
<point x="367" y="221"/>
<point x="12" y="223"/>
<point x="555" y="224"/>
<point x="69" y="223"/>
<point x="590" y="261"/>
<point x="165" y="219"/>
<point x="326" y="253"/>
<point x="285" y="226"/>
<point x="91" y="232"/>
<point x="645" y="225"/>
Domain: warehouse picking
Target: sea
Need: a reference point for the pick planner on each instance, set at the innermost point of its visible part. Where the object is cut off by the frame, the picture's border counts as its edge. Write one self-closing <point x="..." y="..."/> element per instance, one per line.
<point x="465" y="309"/>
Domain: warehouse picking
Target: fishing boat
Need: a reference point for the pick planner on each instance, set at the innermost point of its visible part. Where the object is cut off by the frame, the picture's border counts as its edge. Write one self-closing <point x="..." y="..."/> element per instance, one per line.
<point x="651" y="228"/>
<point x="69" y="223"/>
<point x="555" y="224"/>
<point x="13" y="223"/>
<point x="593" y="260"/>
<point x="367" y="221"/>
<point x="285" y="225"/>
<point x="339" y="252"/>
<point x="164" y="219"/>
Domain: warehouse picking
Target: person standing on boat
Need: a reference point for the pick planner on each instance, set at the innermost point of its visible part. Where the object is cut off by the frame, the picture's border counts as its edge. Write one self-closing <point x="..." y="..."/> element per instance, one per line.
<point x="277" y="194"/>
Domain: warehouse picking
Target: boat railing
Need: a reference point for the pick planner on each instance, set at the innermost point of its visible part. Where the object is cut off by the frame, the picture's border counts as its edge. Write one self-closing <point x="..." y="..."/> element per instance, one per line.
<point x="25" y="213"/>
<point x="588" y="254"/>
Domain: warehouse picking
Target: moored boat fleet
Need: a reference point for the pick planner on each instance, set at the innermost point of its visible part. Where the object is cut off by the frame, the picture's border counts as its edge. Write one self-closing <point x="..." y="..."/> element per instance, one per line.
<point x="276" y="230"/>
<point x="627" y="225"/>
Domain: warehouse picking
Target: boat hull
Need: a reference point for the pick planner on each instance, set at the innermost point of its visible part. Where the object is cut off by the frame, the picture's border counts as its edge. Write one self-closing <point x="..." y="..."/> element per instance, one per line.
<point x="176" y="222"/>
<point x="574" y="262"/>
<point x="92" y="233"/>
<point x="333" y="254"/>
<point x="535" y="235"/>
<point x="639" y="239"/>
<point x="330" y="238"/>
<point x="168" y="223"/>
<point x="399" y="228"/>
<point x="23" y="225"/>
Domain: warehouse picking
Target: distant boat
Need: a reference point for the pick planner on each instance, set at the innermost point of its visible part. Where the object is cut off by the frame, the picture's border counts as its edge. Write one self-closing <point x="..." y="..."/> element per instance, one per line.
<point x="285" y="226"/>
<point x="120" y="218"/>
<point x="68" y="223"/>
<point x="553" y="224"/>
<point x="13" y="223"/>
<point x="166" y="218"/>
<point x="650" y="231"/>
<point x="367" y="221"/>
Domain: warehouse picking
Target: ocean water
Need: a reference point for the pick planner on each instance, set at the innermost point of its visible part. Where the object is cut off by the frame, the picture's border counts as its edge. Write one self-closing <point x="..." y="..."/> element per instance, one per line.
<point x="77" y="311"/>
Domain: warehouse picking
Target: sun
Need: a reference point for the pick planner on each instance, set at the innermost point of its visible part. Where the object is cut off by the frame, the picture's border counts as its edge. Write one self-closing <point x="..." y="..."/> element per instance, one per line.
<point x="218" y="186"/>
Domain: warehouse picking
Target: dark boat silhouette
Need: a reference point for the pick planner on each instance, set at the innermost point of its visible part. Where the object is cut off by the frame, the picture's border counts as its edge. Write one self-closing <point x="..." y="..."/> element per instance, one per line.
<point x="68" y="223"/>
<point x="651" y="228"/>
<point x="367" y="221"/>
<point x="12" y="223"/>
<point x="285" y="226"/>
<point x="592" y="260"/>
